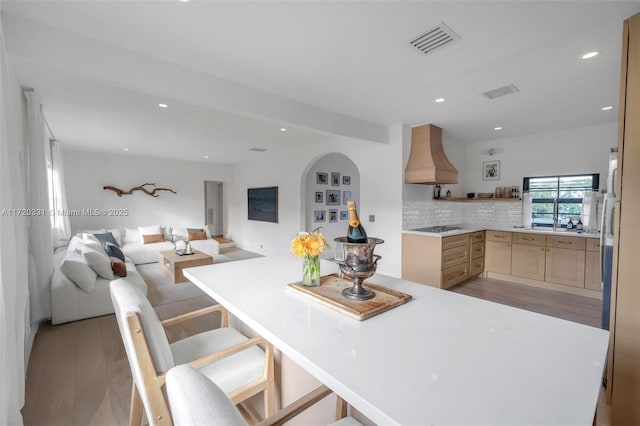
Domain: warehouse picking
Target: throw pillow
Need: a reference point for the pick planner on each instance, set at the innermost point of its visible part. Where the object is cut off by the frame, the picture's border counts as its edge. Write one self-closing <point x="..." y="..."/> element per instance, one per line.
<point x="77" y="270"/>
<point x="98" y="260"/>
<point x="107" y="237"/>
<point x="131" y="236"/>
<point x="152" y="238"/>
<point x="90" y="238"/>
<point x="195" y="230"/>
<point x="119" y="267"/>
<point x="114" y="251"/>
<point x="197" y="236"/>
<point x="149" y="230"/>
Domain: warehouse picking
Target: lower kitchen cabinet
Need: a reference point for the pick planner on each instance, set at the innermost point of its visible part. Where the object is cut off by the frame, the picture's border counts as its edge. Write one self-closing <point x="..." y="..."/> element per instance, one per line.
<point x="565" y="266"/>
<point x="592" y="278"/>
<point x="497" y="253"/>
<point x="442" y="261"/>
<point x="528" y="261"/>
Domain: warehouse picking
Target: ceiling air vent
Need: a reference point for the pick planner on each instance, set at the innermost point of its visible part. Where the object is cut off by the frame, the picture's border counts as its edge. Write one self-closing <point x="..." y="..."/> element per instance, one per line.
<point x="258" y="149"/>
<point x="434" y="38"/>
<point x="500" y="91"/>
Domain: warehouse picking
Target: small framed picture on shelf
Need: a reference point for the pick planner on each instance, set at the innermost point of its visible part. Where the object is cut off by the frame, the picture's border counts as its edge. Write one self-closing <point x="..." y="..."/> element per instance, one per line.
<point x="343" y="215"/>
<point x="333" y="216"/>
<point x="319" y="215"/>
<point x="319" y="197"/>
<point x="346" y="180"/>
<point x="335" y="179"/>
<point x="322" y="178"/>
<point x="333" y="197"/>
<point x="346" y="196"/>
<point x="491" y="170"/>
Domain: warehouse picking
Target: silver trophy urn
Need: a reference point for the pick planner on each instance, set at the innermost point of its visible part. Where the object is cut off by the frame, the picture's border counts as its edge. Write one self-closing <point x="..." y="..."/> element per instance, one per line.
<point x="359" y="264"/>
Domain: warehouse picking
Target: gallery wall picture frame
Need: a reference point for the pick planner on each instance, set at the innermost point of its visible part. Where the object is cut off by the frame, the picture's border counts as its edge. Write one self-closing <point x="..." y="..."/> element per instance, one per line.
<point x="333" y="216"/>
<point x="335" y="179"/>
<point x="346" y="196"/>
<point x="491" y="170"/>
<point x="333" y="197"/>
<point x="346" y="180"/>
<point x="322" y="178"/>
<point x="319" y="215"/>
<point x="343" y="215"/>
<point x="319" y="197"/>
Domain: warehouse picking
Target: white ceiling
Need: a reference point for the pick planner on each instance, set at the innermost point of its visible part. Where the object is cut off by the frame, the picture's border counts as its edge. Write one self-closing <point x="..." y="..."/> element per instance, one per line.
<point x="233" y="73"/>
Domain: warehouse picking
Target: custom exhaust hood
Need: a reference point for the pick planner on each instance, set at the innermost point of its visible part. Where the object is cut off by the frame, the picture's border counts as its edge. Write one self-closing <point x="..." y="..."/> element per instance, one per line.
<point x="428" y="164"/>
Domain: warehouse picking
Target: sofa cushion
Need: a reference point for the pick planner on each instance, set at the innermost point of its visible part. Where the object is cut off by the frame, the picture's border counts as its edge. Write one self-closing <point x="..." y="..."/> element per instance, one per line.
<point x="78" y="270"/>
<point x="197" y="236"/>
<point x="131" y="235"/>
<point x="107" y="237"/>
<point x="98" y="260"/>
<point x="113" y="251"/>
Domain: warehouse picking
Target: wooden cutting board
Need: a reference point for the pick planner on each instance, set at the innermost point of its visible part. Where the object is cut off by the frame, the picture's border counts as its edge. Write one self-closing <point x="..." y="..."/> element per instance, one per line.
<point x="329" y="293"/>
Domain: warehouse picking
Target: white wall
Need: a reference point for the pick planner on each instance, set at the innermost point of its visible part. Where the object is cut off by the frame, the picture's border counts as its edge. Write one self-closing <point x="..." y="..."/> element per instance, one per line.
<point x="573" y="151"/>
<point x="380" y="167"/>
<point x="87" y="172"/>
<point x="338" y="163"/>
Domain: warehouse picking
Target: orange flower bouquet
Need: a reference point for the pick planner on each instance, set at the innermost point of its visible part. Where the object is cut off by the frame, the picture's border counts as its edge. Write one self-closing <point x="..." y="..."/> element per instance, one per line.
<point x="309" y="245"/>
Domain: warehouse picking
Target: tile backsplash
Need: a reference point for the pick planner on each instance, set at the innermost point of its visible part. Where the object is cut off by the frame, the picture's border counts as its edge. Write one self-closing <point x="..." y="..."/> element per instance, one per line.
<point x="418" y="214"/>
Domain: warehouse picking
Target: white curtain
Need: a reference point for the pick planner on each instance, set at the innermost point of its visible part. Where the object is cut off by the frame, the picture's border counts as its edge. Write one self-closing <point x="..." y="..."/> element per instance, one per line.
<point x="39" y="225"/>
<point x="15" y="335"/>
<point x="60" y="221"/>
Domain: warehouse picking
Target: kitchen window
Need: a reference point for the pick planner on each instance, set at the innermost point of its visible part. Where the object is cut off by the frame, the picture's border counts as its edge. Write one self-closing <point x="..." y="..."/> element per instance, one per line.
<point x="566" y="192"/>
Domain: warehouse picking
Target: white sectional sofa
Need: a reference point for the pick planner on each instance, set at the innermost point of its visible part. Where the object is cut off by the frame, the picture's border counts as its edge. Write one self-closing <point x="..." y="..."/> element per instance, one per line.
<point x="88" y="296"/>
<point x="72" y="302"/>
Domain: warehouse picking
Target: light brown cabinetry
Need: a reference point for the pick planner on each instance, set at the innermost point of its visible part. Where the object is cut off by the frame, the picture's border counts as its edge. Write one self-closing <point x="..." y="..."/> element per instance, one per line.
<point x="565" y="261"/>
<point x="498" y="252"/>
<point x="623" y="368"/>
<point x="442" y="261"/>
<point x="592" y="279"/>
<point x="528" y="255"/>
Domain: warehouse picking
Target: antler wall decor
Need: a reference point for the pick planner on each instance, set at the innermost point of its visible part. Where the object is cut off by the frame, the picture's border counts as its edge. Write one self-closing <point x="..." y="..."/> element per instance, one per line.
<point x="142" y="188"/>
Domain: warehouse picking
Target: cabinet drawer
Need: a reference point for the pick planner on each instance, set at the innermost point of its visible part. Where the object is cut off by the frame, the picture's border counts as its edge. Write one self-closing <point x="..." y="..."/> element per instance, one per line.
<point x="477" y="266"/>
<point x="529" y="239"/>
<point x="593" y="244"/>
<point x="498" y="236"/>
<point x="454" y="256"/>
<point x="454" y="241"/>
<point x="477" y="250"/>
<point x="453" y="276"/>
<point x="477" y="237"/>
<point x="574" y="243"/>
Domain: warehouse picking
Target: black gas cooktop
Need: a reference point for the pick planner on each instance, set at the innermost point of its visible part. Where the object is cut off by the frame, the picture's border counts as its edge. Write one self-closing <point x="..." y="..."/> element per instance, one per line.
<point x="438" y="229"/>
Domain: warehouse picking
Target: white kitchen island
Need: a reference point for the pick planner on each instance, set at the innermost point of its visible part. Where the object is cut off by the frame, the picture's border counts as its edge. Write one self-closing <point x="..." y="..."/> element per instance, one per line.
<point x="442" y="358"/>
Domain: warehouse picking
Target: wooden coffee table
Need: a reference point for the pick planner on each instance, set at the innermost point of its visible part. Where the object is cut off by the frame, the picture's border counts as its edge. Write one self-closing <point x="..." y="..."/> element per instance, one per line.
<point x="173" y="264"/>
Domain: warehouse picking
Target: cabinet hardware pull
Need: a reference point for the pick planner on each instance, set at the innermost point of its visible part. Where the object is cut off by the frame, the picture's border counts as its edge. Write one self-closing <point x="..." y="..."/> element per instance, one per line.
<point x="529" y="239"/>
<point x="564" y="242"/>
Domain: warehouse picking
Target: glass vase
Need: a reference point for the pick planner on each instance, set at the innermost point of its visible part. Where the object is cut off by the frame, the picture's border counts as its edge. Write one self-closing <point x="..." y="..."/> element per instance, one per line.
<point x="311" y="271"/>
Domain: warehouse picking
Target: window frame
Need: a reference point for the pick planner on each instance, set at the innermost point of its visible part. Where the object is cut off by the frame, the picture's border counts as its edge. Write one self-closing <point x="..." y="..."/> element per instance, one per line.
<point x="595" y="185"/>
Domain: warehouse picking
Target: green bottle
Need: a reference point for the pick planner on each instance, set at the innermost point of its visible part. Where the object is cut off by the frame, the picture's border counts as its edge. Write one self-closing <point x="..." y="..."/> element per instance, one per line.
<point x="355" y="233"/>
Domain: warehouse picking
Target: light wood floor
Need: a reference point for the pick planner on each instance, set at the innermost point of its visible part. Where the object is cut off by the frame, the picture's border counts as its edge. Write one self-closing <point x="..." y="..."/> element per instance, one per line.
<point x="78" y="372"/>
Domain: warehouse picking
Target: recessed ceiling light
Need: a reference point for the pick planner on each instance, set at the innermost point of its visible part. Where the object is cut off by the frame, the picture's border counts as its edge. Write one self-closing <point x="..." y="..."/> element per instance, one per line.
<point x="185" y="1"/>
<point x="590" y="55"/>
<point x="125" y="149"/>
<point x="163" y="105"/>
<point x="440" y="100"/>
<point x="607" y="108"/>
<point x="282" y="129"/>
<point x="497" y="128"/>
<point x="206" y="156"/>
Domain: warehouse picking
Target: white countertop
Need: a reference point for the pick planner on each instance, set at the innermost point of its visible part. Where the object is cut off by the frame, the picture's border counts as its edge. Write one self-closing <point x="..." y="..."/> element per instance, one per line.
<point x="442" y="358"/>
<point x="466" y="228"/>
